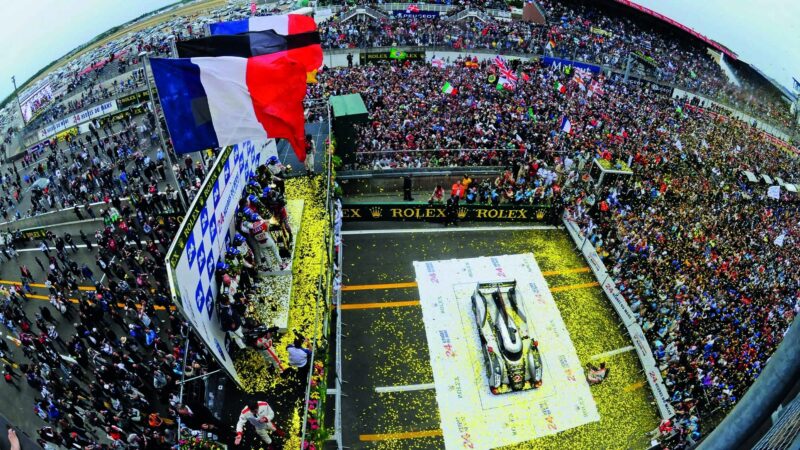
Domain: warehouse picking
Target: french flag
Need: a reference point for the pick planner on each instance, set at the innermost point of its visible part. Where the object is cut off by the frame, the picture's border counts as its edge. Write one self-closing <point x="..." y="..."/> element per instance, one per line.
<point x="285" y="25"/>
<point x="218" y="101"/>
<point x="566" y="126"/>
<point x="303" y="47"/>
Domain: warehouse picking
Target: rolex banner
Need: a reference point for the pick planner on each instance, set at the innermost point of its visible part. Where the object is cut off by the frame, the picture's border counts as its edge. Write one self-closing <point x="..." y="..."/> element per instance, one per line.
<point x="436" y="213"/>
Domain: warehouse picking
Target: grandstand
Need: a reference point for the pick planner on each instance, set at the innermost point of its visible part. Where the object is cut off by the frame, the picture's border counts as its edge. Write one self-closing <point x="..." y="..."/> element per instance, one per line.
<point x="651" y="176"/>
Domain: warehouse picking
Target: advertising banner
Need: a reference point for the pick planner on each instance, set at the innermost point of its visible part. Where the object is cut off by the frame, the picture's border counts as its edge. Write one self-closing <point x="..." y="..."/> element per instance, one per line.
<point x="77" y="119"/>
<point x="560" y="63"/>
<point x="365" y="58"/>
<point x="436" y="213"/>
<point x="133" y="99"/>
<point x="33" y="103"/>
<point x="201" y="239"/>
<point x="415" y="14"/>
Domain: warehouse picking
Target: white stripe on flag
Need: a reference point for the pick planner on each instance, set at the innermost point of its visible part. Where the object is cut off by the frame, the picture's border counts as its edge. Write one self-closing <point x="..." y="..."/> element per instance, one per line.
<point x="225" y="82"/>
<point x="278" y="23"/>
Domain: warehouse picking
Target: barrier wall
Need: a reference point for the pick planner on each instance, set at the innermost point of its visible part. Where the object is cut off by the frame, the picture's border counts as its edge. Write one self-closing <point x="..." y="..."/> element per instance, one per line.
<point x="626" y="315"/>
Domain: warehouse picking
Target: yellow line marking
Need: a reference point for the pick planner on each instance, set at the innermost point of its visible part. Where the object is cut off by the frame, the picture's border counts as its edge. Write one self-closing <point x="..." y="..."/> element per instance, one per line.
<point x="370" y="287"/>
<point x="119" y="305"/>
<point x="566" y="271"/>
<point x="381" y="305"/>
<point x="406" y="435"/>
<point x="39" y="285"/>
<point x="571" y="287"/>
<point x="634" y="386"/>
<point x="413" y="284"/>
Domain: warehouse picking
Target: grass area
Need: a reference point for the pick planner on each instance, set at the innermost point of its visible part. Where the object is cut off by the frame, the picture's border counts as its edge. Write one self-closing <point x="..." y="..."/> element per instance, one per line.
<point x="622" y="400"/>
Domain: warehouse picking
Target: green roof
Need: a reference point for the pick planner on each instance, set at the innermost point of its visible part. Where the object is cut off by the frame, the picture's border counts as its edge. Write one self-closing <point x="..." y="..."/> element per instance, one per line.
<point x="348" y="105"/>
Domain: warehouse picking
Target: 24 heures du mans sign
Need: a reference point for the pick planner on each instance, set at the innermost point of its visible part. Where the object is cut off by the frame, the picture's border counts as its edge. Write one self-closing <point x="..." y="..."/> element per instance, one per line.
<point x="434" y="213"/>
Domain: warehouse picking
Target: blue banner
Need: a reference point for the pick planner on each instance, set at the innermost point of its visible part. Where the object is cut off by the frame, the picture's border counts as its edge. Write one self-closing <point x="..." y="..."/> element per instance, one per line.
<point x="406" y="14"/>
<point x="561" y="63"/>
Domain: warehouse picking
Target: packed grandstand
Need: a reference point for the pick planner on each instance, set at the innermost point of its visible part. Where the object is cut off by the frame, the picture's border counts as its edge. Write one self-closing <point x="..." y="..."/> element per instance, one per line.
<point x="697" y="231"/>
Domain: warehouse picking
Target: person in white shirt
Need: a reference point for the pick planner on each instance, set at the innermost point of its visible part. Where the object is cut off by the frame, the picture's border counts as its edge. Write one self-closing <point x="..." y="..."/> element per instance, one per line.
<point x="260" y="416"/>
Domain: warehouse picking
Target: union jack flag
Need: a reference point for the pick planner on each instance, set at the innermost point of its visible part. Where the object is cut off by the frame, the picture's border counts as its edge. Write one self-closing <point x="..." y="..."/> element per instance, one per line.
<point x="596" y="88"/>
<point x="582" y="73"/>
<point x="501" y="63"/>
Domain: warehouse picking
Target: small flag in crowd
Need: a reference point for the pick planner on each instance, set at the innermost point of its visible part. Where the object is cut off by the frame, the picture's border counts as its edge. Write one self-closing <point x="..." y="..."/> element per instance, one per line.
<point x="774" y="192"/>
<point x="500" y="63"/>
<point x="579" y="81"/>
<point x="560" y="87"/>
<point x="525" y="77"/>
<point x="596" y="87"/>
<point x="583" y="73"/>
<point x="566" y="126"/>
<point x="437" y="62"/>
<point x="780" y="239"/>
<point x="551" y="44"/>
<point x="412" y="9"/>
<point x="397" y="54"/>
<point x="253" y="8"/>
<point x="449" y="89"/>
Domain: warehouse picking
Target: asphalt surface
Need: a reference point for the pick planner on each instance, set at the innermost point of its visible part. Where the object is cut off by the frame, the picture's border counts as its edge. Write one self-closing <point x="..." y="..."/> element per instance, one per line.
<point x="17" y="399"/>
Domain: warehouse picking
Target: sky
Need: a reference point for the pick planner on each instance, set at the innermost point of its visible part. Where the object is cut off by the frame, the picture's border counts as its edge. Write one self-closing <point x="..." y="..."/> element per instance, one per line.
<point x="765" y="33"/>
<point x="34" y="33"/>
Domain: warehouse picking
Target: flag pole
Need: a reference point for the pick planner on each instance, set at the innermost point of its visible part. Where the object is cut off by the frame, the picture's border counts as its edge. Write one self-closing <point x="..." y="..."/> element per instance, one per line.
<point x="181" y="193"/>
<point x="16" y="94"/>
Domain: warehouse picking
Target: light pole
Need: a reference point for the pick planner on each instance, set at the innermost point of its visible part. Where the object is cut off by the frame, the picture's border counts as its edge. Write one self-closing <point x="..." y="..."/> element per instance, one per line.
<point x="16" y="94"/>
<point x="181" y="194"/>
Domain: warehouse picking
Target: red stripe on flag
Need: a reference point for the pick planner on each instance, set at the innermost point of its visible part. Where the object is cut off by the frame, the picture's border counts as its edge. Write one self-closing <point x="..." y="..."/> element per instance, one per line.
<point x="299" y="23"/>
<point x="277" y="86"/>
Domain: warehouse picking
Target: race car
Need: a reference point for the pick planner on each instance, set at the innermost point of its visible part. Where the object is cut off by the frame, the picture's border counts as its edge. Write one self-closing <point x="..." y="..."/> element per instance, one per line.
<point x="513" y="362"/>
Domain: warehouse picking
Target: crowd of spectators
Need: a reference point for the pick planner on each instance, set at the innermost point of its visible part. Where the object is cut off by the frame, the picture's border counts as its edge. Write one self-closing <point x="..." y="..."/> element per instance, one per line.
<point x="574" y="31"/>
<point x="108" y="380"/>
<point x="694" y="247"/>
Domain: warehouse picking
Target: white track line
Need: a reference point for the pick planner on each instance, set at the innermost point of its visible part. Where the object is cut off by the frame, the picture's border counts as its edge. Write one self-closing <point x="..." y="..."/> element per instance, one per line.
<point x="450" y="230"/>
<point x="406" y="388"/>
<point x="613" y="352"/>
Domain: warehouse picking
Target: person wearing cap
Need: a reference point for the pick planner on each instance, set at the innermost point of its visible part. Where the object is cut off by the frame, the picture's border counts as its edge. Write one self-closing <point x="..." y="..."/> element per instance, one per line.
<point x="260" y="416"/>
<point x="277" y="170"/>
<point x="231" y="321"/>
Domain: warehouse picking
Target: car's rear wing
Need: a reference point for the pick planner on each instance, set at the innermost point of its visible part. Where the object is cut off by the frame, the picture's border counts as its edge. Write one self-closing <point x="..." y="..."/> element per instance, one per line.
<point x="493" y="286"/>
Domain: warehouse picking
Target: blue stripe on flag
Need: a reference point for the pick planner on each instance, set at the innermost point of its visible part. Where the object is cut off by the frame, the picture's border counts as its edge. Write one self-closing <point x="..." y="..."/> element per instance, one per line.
<point x="233" y="27"/>
<point x="185" y="104"/>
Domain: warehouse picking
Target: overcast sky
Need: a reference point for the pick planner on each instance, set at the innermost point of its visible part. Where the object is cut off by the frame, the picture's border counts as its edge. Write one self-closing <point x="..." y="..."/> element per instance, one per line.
<point x="765" y="33"/>
<point x="34" y="33"/>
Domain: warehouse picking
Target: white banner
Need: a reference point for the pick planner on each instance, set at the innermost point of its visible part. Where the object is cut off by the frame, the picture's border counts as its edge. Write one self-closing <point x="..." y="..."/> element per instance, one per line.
<point x="204" y="233"/>
<point x="774" y="192"/>
<point x="628" y="319"/>
<point x="471" y="416"/>
<point x="78" y="118"/>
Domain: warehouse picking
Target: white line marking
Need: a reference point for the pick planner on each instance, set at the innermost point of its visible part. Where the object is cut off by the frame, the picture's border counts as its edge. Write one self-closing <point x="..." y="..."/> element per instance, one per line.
<point x="613" y="352"/>
<point x="406" y="388"/>
<point x="450" y="230"/>
<point x="68" y="247"/>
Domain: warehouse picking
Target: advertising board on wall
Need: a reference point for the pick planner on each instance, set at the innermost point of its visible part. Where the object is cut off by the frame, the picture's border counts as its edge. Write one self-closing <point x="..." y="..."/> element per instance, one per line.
<point x="560" y="63"/>
<point x="434" y="213"/>
<point x="369" y="57"/>
<point x="78" y="118"/>
<point x="201" y="240"/>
